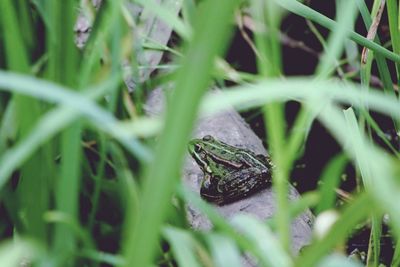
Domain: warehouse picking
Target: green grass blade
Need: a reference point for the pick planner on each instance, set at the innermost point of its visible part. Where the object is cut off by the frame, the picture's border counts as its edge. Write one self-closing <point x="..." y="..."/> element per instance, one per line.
<point x="211" y="33"/>
<point x="13" y="253"/>
<point x="247" y="96"/>
<point x="304" y="11"/>
<point x="244" y="243"/>
<point x="224" y="251"/>
<point x="183" y="246"/>
<point x="353" y="214"/>
<point x="8" y="126"/>
<point x="380" y="60"/>
<point x="298" y="135"/>
<point x="33" y="190"/>
<point x="264" y="240"/>
<point x="330" y="179"/>
<point x="101" y="257"/>
<point x="171" y="19"/>
<point x="59" y="94"/>
<point x="339" y="260"/>
<point x="396" y="254"/>
<point x="366" y="174"/>
<point x="373" y="258"/>
<point x="51" y="124"/>
<point x="393" y="16"/>
<point x="267" y="13"/>
<point x="63" y="68"/>
<point x="345" y="23"/>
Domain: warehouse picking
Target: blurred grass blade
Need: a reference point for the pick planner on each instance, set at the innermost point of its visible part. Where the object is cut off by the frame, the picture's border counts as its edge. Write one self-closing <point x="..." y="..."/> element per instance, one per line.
<point x="18" y="252"/>
<point x="356" y="145"/>
<point x="169" y="18"/>
<point x="304" y="11"/>
<point x="224" y="251"/>
<point x="380" y="60"/>
<point x="244" y="243"/>
<point x="74" y="227"/>
<point x="33" y="185"/>
<point x="366" y="174"/>
<point x="345" y="24"/>
<point x="247" y="96"/>
<point x="183" y="246"/>
<point x="129" y="189"/>
<point x="307" y="200"/>
<point x="8" y="126"/>
<point x="101" y="257"/>
<point x="373" y="258"/>
<point x="264" y="241"/>
<point x="268" y="17"/>
<point x="339" y="260"/>
<point x="330" y="179"/>
<point x="211" y="32"/>
<point x="298" y="135"/>
<point x="49" y="125"/>
<point x="377" y="169"/>
<point x="393" y="18"/>
<point x="396" y="254"/>
<point x="353" y="214"/>
<point x="56" y="93"/>
<point x="41" y="8"/>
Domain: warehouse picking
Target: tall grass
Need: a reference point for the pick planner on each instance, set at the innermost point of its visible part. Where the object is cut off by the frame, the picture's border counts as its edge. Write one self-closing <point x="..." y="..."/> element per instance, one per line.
<point x="74" y="142"/>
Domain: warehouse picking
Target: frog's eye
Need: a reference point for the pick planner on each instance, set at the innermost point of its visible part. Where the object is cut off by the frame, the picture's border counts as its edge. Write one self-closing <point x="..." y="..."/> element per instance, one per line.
<point x="208" y="138"/>
<point x="197" y="148"/>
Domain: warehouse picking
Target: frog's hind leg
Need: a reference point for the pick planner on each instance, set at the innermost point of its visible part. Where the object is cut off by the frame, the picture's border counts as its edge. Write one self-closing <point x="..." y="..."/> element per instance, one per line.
<point x="244" y="183"/>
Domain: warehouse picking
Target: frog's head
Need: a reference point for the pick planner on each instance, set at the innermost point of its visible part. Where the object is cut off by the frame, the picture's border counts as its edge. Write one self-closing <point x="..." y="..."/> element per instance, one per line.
<point x="198" y="149"/>
<point x="211" y="155"/>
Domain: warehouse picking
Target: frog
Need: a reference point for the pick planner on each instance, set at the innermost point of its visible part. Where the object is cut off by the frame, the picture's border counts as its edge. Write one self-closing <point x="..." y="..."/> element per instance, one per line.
<point x="230" y="173"/>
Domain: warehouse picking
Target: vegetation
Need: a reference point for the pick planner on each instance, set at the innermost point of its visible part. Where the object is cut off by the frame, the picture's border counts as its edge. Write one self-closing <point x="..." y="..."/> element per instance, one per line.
<point x="82" y="182"/>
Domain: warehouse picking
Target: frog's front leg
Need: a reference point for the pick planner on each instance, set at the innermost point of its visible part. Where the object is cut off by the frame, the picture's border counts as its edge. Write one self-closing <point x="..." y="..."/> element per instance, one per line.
<point x="209" y="190"/>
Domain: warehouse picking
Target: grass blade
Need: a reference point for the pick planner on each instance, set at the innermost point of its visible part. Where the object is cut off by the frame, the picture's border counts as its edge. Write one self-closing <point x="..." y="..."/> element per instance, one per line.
<point x="263" y="240"/>
<point x="33" y="187"/>
<point x="183" y="246"/>
<point x="330" y="179"/>
<point x="210" y="33"/>
<point x="353" y="214"/>
<point x="304" y="11"/>
<point x="224" y="251"/>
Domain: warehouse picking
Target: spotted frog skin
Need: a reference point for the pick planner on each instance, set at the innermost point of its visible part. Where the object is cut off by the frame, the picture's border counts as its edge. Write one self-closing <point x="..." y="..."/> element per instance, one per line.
<point x="230" y="173"/>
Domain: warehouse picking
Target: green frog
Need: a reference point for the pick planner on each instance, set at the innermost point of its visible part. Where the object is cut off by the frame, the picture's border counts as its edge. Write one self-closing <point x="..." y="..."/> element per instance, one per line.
<point x="230" y="173"/>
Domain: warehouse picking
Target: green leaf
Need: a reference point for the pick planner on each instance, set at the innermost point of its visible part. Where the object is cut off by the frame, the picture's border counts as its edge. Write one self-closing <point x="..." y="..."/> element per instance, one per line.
<point x="263" y="241"/>
<point x="183" y="246"/>
<point x="304" y="11"/>
<point x="211" y="33"/>
<point x="224" y="251"/>
<point x="330" y="180"/>
<point x="339" y="260"/>
<point x="16" y="252"/>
